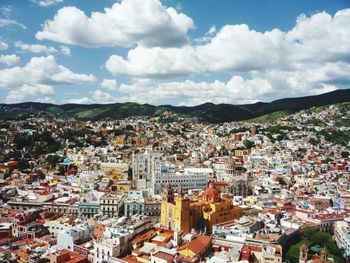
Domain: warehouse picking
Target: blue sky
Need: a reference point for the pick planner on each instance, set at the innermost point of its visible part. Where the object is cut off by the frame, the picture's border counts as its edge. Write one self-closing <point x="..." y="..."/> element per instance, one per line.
<point x="172" y="52"/>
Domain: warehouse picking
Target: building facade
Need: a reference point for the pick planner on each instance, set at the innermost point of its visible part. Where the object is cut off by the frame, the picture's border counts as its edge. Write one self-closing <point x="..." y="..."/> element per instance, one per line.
<point x="178" y="212"/>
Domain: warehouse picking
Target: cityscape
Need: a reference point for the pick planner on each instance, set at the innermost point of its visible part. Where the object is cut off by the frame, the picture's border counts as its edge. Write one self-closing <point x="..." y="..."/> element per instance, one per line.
<point x="149" y="131"/>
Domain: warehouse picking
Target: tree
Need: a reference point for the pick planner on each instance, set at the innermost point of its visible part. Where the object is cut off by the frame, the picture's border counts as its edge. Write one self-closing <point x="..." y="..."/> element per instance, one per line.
<point x="309" y="232"/>
<point x="281" y="181"/>
<point x="61" y="170"/>
<point x="313" y="141"/>
<point x="345" y="154"/>
<point x="22" y="164"/>
<point x="248" y="144"/>
<point x="321" y="238"/>
<point x="53" y="159"/>
<point x="129" y="127"/>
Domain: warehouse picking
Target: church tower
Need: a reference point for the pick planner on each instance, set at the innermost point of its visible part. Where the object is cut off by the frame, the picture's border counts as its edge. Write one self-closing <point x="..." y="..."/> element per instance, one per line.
<point x="168" y="193"/>
<point x="303" y="254"/>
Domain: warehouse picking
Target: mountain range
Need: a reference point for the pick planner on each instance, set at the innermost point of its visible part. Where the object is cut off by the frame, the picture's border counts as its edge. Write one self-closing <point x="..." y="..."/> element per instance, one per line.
<point x="207" y="112"/>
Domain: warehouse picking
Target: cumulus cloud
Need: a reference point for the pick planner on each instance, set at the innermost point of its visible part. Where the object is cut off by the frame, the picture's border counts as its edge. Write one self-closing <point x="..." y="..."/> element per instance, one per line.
<point x="321" y="37"/>
<point x="10" y="60"/>
<point x="65" y="50"/>
<point x="43" y="70"/>
<point x="208" y="35"/>
<point x="21" y="94"/>
<point x="237" y="48"/>
<point x="35" y="48"/>
<point x="97" y="96"/>
<point x="46" y="3"/>
<point x="84" y="100"/>
<point x="156" y="62"/>
<point x="233" y="48"/>
<point x="37" y="77"/>
<point x="311" y="58"/>
<point x="237" y="90"/>
<point x="110" y="84"/>
<point x="3" y="46"/>
<point x="45" y="100"/>
<point x="146" y="22"/>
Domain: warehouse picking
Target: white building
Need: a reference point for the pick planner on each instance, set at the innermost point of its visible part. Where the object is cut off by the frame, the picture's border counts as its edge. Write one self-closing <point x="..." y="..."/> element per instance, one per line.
<point x="342" y="235"/>
<point x="225" y="169"/>
<point x="55" y="226"/>
<point x="145" y="166"/>
<point x="105" y="249"/>
<point x="67" y="238"/>
<point x="189" y="178"/>
<point x="134" y="204"/>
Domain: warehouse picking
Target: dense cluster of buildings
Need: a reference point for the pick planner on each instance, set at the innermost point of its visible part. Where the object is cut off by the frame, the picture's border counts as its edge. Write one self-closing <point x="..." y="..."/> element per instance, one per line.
<point x="171" y="189"/>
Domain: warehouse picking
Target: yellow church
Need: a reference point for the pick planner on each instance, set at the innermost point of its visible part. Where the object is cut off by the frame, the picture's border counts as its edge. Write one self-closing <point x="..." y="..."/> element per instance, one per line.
<point x="179" y="213"/>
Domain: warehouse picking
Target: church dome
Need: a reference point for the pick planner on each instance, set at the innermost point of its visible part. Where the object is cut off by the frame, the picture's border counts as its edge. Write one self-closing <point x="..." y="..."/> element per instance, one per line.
<point x="211" y="194"/>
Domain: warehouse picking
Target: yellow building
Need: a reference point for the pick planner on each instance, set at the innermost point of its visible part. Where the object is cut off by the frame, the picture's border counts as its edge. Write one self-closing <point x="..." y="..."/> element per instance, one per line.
<point x="179" y="213"/>
<point x="175" y="211"/>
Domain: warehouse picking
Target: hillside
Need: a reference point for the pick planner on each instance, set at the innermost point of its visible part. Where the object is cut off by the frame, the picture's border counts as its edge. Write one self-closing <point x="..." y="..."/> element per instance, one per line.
<point x="208" y="112"/>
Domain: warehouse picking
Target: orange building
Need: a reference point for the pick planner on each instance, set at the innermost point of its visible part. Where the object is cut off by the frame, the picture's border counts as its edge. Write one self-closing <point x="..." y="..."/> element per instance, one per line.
<point x="179" y="213"/>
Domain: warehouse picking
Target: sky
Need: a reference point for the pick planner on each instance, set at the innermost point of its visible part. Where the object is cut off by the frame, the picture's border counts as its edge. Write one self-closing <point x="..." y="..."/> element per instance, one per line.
<point x="178" y="52"/>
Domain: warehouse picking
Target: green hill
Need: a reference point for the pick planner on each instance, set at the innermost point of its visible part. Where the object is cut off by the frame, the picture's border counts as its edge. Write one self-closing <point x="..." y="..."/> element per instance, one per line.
<point x="208" y="112"/>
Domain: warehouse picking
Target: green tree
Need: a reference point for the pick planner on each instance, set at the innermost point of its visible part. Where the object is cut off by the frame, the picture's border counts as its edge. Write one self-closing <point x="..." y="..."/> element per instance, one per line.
<point x="314" y="141"/>
<point x="345" y="154"/>
<point x="61" y="170"/>
<point x="53" y="159"/>
<point x="309" y="232"/>
<point x="248" y="144"/>
<point x="321" y="238"/>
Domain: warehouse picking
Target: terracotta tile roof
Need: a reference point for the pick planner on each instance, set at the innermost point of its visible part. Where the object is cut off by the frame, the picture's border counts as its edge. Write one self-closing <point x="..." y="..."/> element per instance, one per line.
<point x="198" y="244"/>
<point x="163" y="256"/>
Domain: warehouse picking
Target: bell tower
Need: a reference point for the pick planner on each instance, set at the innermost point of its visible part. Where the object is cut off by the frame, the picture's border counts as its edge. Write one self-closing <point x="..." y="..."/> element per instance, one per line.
<point x="303" y="254"/>
<point x="168" y="193"/>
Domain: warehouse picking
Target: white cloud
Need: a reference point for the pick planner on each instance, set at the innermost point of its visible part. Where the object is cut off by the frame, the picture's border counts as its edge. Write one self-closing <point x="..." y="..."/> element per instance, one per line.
<point x="5" y="22"/>
<point x="193" y="93"/>
<point x="234" y="48"/>
<point x="321" y="37"/>
<point x="65" y="50"/>
<point x="156" y="62"/>
<point x="6" y="11"/>
<point x="37" y="78"/>
<point x="84" y="100"/>
<point x="237" y="48"/>
<point x="3" y="46"/>
<point x="110" y="84"/>
<point x="311" y="58"/>
<point x="101" y="97"/>
<point x="21" y="94"/>
<point x="146" y="22"/>
<point x="208" y="35"/>
<point x="97" y="96"/>
<point x="10" y="60"/>
<point x="261" y="85"/>
<point x="35" y="48"/>
<point x="45" y="100"/>
<point x="46" y="3"/>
